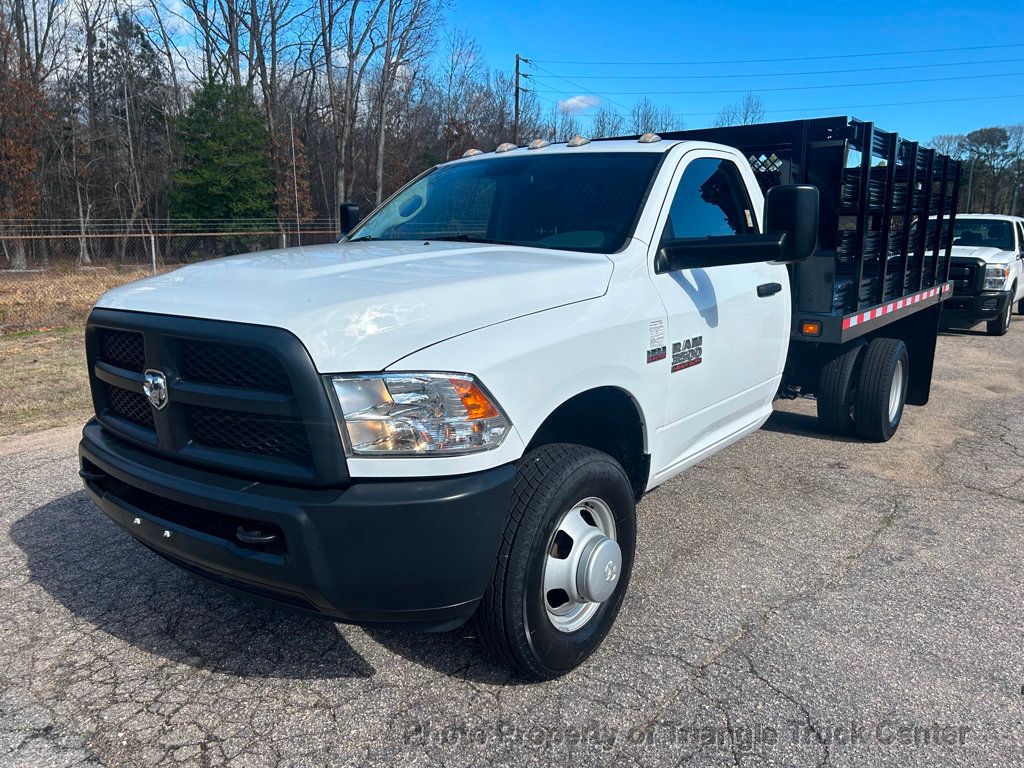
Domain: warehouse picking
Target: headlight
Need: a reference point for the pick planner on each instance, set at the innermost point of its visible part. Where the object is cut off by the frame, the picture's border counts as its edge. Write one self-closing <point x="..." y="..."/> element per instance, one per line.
<point x="995" y="277"/>
<point x="416" y="414"/>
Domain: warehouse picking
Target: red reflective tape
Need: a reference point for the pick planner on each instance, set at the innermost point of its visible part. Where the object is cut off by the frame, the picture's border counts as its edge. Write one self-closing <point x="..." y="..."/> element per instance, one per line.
<point x="858" y="318"/>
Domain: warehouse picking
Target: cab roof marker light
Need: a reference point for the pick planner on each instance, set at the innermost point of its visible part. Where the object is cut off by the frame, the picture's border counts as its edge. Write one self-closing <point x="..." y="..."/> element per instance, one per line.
<point x="508" y="146"/>
<point x="649" y="138"/>
<point x="472" y="152"/>
<point x="538" y="144"/>
<point x="578" y="141"/>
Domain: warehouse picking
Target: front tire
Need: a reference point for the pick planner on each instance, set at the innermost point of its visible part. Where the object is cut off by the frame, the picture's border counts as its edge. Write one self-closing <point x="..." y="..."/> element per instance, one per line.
<point x="564" y="561"/>
<point x="1001" y="324"/>
<point x="881" y="389"/>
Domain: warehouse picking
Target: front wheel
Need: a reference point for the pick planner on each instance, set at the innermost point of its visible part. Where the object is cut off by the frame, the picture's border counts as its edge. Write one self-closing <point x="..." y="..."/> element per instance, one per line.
<point x="564" y="561"/>
<point x="1001" y="324"/>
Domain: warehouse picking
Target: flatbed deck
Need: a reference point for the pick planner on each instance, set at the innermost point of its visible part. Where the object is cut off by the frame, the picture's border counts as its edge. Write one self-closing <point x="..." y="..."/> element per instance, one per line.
<point x="873" y="264"/>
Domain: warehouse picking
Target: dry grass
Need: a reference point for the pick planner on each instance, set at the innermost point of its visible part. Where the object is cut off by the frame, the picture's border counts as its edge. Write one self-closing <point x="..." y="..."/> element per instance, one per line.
<point x="43" y="380"/>
<point x="55" y="299"/>
<point x="43" y="377"/>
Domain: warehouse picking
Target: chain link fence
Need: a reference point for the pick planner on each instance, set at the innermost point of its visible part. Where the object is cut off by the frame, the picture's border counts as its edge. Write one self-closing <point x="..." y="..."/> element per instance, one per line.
<point x="50" y="277"/>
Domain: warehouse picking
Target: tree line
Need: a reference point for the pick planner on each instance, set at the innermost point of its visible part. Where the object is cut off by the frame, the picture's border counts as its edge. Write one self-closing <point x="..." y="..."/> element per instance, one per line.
<point x="123" y="115"/>
<point x="992" y="178"/>
<point x="136" y="115"/>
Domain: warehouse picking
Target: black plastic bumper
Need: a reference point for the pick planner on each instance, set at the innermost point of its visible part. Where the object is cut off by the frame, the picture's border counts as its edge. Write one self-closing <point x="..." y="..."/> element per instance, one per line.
<point x="965" y="310"/>
<point x="417" y="552"/>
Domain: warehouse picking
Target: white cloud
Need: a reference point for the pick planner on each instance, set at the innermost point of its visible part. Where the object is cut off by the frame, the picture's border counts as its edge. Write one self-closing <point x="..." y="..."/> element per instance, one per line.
<point x="578" y="104"/>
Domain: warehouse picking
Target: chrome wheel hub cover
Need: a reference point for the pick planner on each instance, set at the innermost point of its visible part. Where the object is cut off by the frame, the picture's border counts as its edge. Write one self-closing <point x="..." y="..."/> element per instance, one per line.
<point x="582" y="564"/>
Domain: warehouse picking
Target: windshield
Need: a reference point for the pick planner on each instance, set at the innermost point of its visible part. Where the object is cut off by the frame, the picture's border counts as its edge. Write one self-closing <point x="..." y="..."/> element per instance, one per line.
<point x="585" y="202"/>
<point x="991" y="233"/>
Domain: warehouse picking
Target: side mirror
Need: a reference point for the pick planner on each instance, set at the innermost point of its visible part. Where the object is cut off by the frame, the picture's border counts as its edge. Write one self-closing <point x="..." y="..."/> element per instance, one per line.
<point x="348" y="217"/>
<point x="792" y="209"/>
<point x="718" y="251"/>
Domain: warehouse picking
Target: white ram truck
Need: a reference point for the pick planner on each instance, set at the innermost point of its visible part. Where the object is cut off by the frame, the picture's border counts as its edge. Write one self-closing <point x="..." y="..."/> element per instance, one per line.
<point x="987" y="272"/>
<point x="452" y="413"/>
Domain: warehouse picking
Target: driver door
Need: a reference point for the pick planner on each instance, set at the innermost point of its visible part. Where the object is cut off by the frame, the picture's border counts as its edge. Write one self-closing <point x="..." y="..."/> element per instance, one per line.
<point x="728" y="326"/>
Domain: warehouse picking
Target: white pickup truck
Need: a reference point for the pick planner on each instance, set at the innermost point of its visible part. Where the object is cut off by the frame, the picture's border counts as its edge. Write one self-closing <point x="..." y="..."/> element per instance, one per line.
<point x="453" y="412"/>
<point x="987" y="272"/>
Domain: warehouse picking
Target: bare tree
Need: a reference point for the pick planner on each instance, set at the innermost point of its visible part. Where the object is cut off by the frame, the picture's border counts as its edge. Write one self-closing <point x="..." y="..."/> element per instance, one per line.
<point x="408" y="24"/>
<point x="460" y="73"/>
<point x="648" y="117"/>
<point x="748" y="111"/>
<point x="607" y="122"/>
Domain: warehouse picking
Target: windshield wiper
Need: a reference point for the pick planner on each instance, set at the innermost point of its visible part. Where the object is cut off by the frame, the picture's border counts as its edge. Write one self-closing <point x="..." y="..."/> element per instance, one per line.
<point x="464" y="237"/>
<point x="362" y="239"/>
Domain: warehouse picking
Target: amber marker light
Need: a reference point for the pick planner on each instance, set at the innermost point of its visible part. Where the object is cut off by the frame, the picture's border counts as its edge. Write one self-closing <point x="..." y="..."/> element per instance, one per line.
<point x="474" y="400"/>
<point x="810" y="328"/>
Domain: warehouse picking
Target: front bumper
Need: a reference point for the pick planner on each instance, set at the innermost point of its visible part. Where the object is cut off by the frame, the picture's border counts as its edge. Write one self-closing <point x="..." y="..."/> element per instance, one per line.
<point x="418" y="552"/>
<point x="965" y="310"/>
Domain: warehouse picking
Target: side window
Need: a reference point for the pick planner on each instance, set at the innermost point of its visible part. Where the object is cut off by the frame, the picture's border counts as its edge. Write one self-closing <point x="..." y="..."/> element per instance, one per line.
<point x="1020" y="239"/>
<point x="711" y="200"/>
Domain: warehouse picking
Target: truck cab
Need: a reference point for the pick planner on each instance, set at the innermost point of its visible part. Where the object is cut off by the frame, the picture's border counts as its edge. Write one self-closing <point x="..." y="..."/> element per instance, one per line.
<point x="987" y="272"/>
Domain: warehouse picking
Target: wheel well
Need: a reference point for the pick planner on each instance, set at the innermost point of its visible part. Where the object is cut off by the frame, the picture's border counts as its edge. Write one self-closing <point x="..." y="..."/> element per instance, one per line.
<point x="606" y="419"/>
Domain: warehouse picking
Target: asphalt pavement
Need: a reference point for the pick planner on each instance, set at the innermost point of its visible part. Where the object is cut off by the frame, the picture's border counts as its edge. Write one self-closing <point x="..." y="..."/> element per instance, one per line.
<point x="797" y="600"/>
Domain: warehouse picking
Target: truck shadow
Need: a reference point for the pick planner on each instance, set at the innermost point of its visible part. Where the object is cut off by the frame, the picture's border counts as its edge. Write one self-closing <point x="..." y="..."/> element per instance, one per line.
<point x="961" y="332"/>
<point x="802" y="425"/>
<point x="103" y="576"/>
<point x="455" y="654"/>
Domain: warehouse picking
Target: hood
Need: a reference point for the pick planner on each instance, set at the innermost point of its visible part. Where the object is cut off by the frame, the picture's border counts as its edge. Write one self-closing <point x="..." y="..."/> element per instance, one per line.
<point x="983" y="252"/>
<point x="362" y="306"/>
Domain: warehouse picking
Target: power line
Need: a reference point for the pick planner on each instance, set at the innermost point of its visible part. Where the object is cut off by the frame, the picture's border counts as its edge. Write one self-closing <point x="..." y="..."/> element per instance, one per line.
<point x="801" y="87"/>
<point x="574" y="85"/>
<point x="767" y="61"/>
<point x="848" y="107"/>
<point x="792" y="74"/>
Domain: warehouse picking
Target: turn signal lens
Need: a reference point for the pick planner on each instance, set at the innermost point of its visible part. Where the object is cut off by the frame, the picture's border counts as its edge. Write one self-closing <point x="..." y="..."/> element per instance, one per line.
<point x="810" y="328"/>
<point x="474" y="400"/>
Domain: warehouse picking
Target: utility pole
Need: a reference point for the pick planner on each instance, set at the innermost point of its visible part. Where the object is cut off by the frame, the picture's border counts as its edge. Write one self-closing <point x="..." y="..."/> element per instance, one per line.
<point x="515" y="119"/>
<point x="970" y="183"/>
<point x="295" y="180"/>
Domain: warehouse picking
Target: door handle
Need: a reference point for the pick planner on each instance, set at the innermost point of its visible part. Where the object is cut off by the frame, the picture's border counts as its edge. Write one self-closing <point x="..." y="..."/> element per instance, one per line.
<point x="768" y="289"/>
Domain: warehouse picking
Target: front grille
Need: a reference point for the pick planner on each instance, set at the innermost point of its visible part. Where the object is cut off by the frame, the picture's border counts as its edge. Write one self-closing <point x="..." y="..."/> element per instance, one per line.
<point x="132" y="406"/>
<point x="233" y="366"/>
<point x="125" y="349"/>
<point x="963" y="277"/>
<point x="265" y="435"/>
<point x="241" y="399"/>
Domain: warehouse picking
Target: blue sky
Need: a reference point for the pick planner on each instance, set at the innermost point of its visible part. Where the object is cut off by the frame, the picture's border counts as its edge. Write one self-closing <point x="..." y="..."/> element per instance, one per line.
<point x="648" y="31"/>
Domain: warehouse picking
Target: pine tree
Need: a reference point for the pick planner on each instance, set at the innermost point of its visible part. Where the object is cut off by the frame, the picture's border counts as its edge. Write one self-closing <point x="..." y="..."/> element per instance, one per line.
<point x="225" y="159"/>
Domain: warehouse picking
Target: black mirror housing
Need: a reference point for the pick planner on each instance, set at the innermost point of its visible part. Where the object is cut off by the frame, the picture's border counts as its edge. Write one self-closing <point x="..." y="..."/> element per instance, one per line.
<point x="792" y="209"/>
<point x="348" y="217"/>
<point x="717" y="251"/>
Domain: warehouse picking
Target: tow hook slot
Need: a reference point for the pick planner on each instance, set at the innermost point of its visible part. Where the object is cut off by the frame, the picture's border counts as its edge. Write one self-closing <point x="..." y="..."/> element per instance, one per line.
<point x="256" y="537"/>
